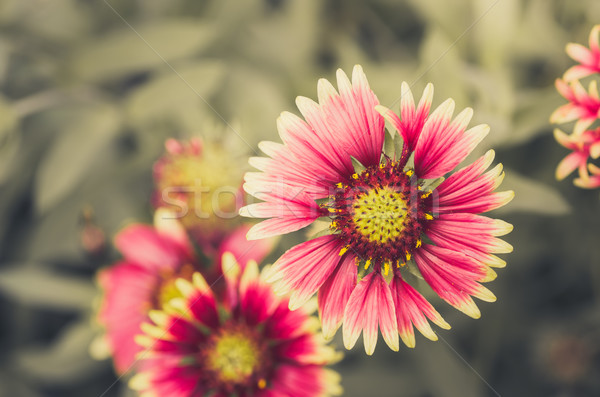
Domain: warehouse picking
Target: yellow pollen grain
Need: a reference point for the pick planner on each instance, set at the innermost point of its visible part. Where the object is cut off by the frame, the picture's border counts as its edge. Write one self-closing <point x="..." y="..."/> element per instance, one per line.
<point x="379" y="214"/>
<point x="386" y="269"/>
<point x="340" y="185"/>
<point x="367" y="263"/>
<point x="428" y="217"/>
<point x="344" y="250"/>
<point x="408" y="256"/>
<point x="419" y="243"/>
<point x="354" y="176"/>
<point x="409" y="173"/>
<point x="234" y="358"/>
<point x="262" y="383"/>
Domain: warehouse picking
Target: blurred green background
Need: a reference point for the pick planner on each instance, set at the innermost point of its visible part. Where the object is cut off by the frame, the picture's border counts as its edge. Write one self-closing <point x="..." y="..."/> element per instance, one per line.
<point x="89" y="91"/>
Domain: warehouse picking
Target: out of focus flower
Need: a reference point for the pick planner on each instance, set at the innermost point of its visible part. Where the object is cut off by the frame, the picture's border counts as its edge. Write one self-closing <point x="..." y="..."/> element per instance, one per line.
<point x="201" y="182"/>
<point x="583" y="106"/>
<point x="249" y="345"/>
<point x="154" y="257"/>
<point x="388" y="216"/>
<point x="583" y="146"/>
<point x="584" y="109"/>
<point x="588" y="58"/>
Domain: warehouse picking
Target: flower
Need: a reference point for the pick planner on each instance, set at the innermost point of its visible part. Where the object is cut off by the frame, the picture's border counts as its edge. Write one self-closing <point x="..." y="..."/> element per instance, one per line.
<point x="250" y="346"/>
<point x="589" y="59"/>
<point x="201" y="182"/>
<point x="387" y="217"/>
<point x="154" y="257"/>
<point x="583" y="107"/>
<point x="583" y="146"/>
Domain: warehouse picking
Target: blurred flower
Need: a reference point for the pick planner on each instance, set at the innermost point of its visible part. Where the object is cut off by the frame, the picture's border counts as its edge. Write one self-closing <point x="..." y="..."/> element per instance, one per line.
<point x="589" y="59"/>
<point x="381" y="210"/>
<point x="201" y="182"/>
<point x="583" y="107"/>
<point x="154" y="257"/>
<point x="251" y="345"/>
<point x="583" y="146"/>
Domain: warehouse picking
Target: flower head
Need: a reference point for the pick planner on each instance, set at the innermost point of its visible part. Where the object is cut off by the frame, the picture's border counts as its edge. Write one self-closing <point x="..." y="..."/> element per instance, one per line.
<point x="588" y="58"/>
<point x="154" y="257"/>
<point x="200" y="181"/>
<point x="582" y="146"/>
<point x="253" y="345"/>
<point x="583" y="106"/>
<point x="389" y="215"/>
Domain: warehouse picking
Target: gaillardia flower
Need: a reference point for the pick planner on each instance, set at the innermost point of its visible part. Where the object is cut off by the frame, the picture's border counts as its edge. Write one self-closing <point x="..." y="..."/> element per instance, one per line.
<point x="248" y="345"/>
<point x="583" y="146"/>
<point x="588" y="58"/>
<point x="200" y="180"/>
<point x="389" y="216"/>
<point x="154" y="257"/>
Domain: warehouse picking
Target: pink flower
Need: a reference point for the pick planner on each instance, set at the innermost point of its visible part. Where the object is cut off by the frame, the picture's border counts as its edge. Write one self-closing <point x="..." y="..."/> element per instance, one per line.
<point x="201" y="182"/>
<point x="587" y="181"/>
<point x="583" y="107"/>
<point x="154" y="257"/>
<point x="198" y="345"/>
<point x="583" y="146"/>
<point x="388" y="220"/>
<point x="589" y="59"/>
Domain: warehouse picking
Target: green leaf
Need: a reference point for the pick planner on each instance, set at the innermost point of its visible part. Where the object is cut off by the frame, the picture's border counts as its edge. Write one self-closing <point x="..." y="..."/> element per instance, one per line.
<point x="139" y="48"/>
<point x="171" y="92"/>
<point x="532" y="196"/>
<point x="39" y="287"/>
<point x="9" y="138"/>
<point x="64" y="361"/>
<point x="74" y="152"/>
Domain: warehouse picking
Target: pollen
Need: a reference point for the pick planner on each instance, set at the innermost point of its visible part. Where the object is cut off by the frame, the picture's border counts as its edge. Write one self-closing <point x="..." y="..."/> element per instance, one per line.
<point x="234" y="357"/>
<point x="379" y="213"/>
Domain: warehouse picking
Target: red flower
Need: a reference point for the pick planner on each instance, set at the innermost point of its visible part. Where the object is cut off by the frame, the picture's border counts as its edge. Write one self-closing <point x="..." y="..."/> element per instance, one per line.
<point x="386" y="213"/>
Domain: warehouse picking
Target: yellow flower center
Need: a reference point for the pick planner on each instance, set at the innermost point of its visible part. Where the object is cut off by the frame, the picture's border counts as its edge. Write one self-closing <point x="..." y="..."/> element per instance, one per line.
<point x="379" y="214"/>
<point x="234" y="358"/>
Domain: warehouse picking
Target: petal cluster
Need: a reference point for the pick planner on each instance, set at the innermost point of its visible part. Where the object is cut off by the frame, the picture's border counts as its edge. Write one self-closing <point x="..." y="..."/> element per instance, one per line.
<point x="584" y="109"/>
<point x="153" y="258"/>
<point x="275" y="351"/>
<point x="331" y="162"/>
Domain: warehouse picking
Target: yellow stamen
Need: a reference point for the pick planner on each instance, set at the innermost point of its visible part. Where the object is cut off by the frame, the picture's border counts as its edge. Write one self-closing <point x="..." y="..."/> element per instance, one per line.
<point x="367" y="263"/>
<point x="354" y="176"/>
<point x="398" y="263"/>
<point x="262" y="383"/>
<point x="381" y="166"/>
<point x="333" y="225"/>
<point x="408" y="256"/>
<point x="340" y="185"/>
<point x="428" y="217"/>
<point x="356" y="261"/>
<point x="386" y="268"/>
<point x="409" y="173"/>
<point x="419" y="242"/>
<point x="344" y="250"/>
<point x="426" y="194"/>
<point x="333" y="210"/>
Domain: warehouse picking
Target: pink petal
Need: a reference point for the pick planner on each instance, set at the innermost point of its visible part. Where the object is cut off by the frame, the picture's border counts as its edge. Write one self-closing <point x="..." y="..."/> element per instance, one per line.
<point x="452" y="275"/>
<point x="413" y="308"/>
<point x="334" y="294"/>
<point x="144" y="246"/>
<point x="305" y="267"/>
<point x="370" y="304"/>
<point x="578" y="72"/>
<point x="299" y="381"/>
<point x="473" y="231"/>
<point x="276" y="226"/>
<point x="468" y="191"/>
<point x="444" y="144"/>
<point x="244" y="250"/>
<point x="580" y="54"/>
<point x="570" y="163"/>
<point x="128" y="293"/>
